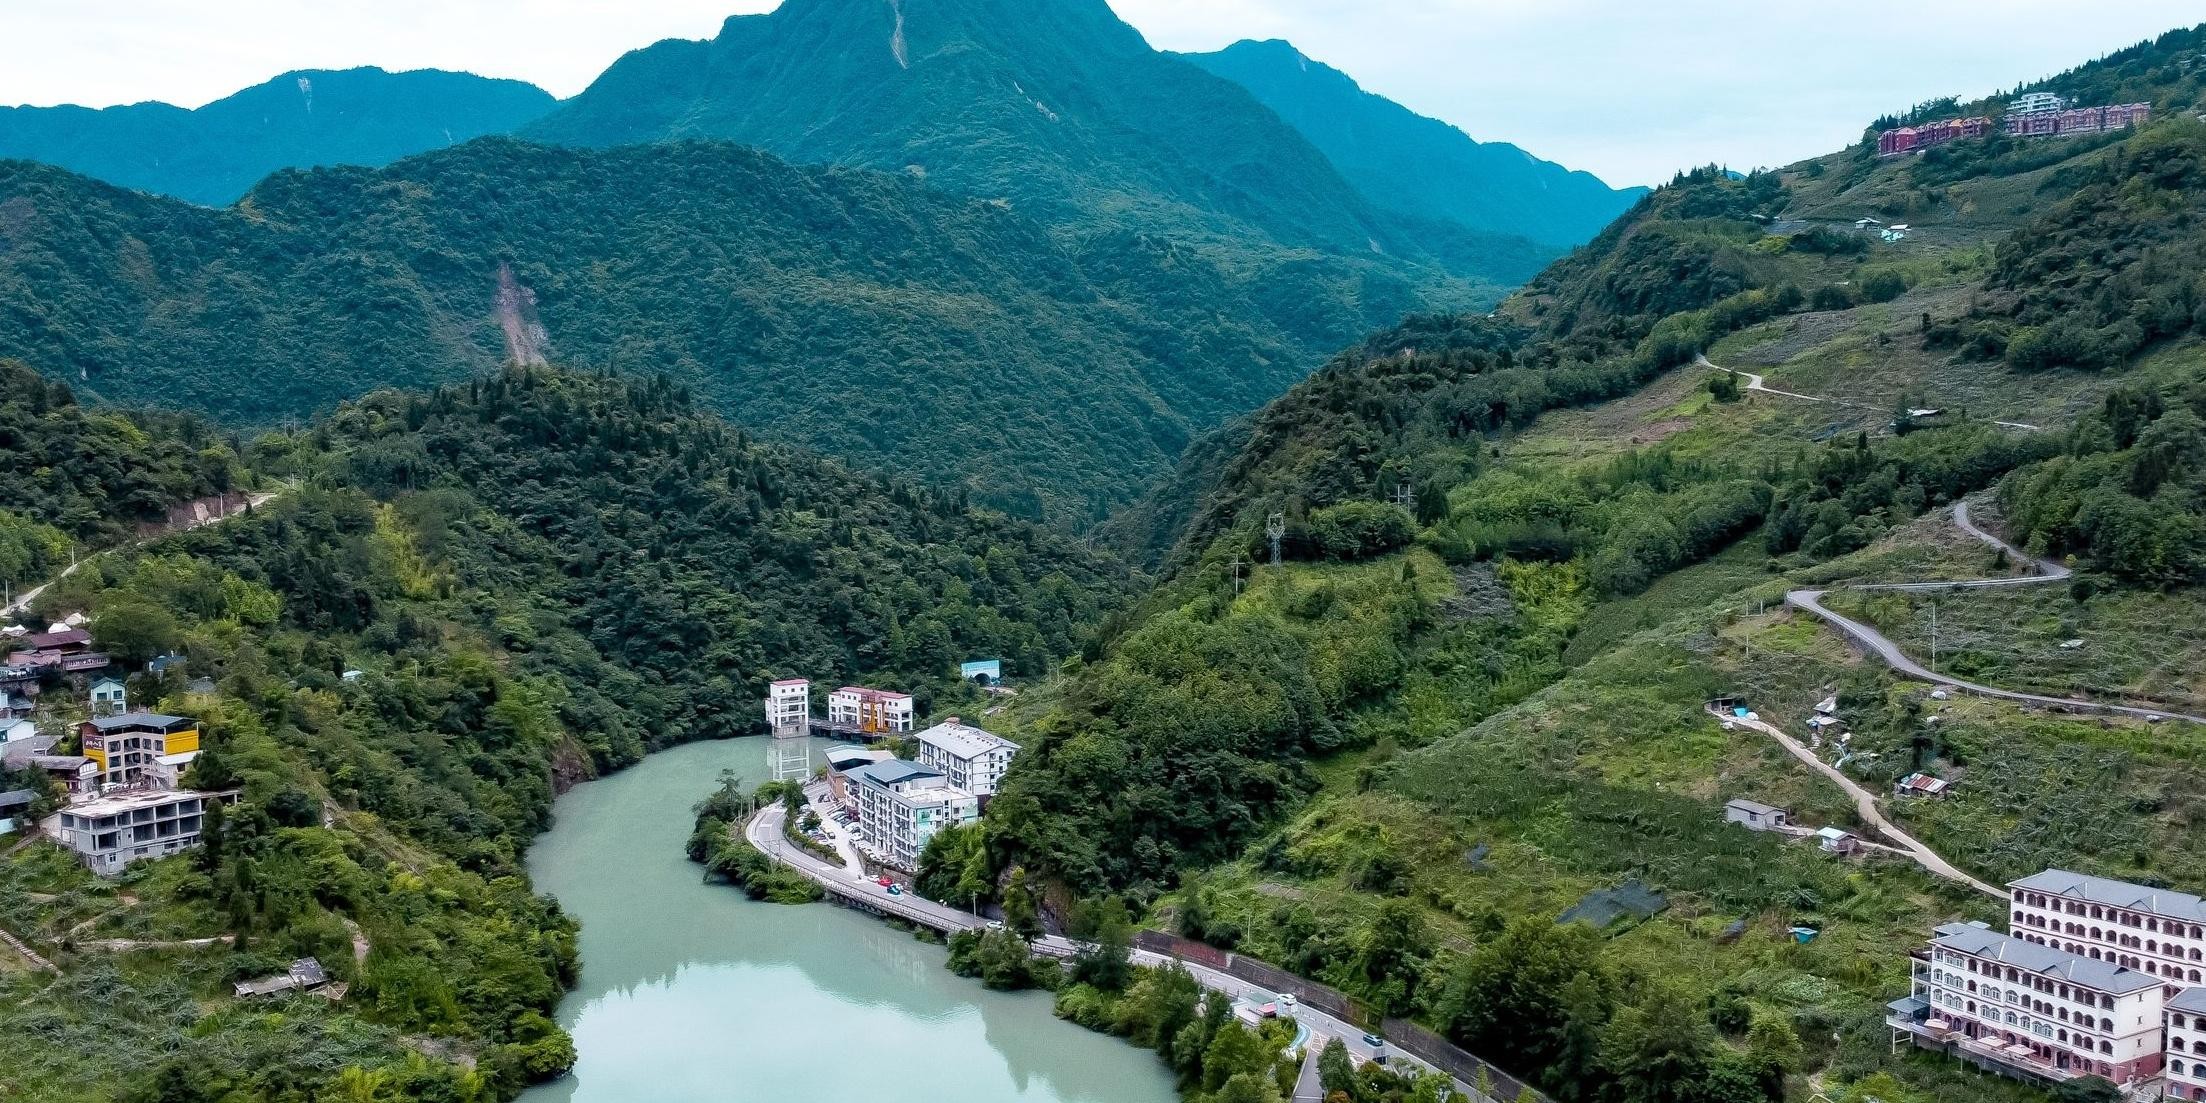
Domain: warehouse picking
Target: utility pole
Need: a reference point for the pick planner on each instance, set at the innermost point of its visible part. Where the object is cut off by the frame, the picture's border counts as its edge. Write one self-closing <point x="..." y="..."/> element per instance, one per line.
<point x="1276" y="527"/>
<point x="1236" y="576"/>
<point x="1934" y="637"/>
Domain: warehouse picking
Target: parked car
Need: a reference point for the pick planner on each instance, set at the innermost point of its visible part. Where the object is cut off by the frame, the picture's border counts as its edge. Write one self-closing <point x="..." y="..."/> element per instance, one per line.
<point x="1373" y="1040"/>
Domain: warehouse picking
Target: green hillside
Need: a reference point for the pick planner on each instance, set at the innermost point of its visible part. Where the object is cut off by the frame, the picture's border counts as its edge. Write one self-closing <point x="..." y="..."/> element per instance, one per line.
<point x="1404" y="162"/>
<point x="540" y="575"/>
<point x="847" y="311"/>
<point x="1522" y="552"/>
<point x="214" y="154"/>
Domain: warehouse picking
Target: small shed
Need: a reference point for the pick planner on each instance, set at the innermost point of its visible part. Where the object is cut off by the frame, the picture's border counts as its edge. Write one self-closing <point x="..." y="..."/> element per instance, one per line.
<point x="305" y="975"/>
<point x="1835" y="840"/>
<point x="1755" y="816"/>
<point x="1921" y="785"/>
<point x="1827" y="706"/>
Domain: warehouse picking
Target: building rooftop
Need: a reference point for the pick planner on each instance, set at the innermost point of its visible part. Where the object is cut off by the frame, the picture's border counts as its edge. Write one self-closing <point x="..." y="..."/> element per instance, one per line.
<point x="133" y="720"/>
<point x="2192" y="1000"/>
<point x="2118" y="894"/>
<point x="1754" y="806"/>
<point x="1980" y="941"/>
<point x="127" y="802"/>
<point x="964" y="740"/>
<point x="17" y="798"/>
<point x="895" y="771"/>
<point x="852" y="758"/>
<point x="68" y="637"/>
<point x="872" y="694"/>
<point x="789" y="682"/>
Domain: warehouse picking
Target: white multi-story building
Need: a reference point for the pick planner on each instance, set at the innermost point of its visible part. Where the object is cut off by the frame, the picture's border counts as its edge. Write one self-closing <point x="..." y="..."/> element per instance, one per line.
<point x="873" y="710"/>
<point x="2022" y="1007"/>
<point x="974" y="760"/>
<point x="2033" y="103"/>
<point x="2186" y="1068"/>
<point x="789" y="705"/>
<point x="2154" y="931"/>
<point x="111" y="833"/>
<point x="902" y="804"/>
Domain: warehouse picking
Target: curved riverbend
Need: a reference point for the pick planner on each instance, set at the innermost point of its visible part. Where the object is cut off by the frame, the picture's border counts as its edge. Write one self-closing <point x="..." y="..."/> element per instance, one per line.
<point x="690" y="992"/>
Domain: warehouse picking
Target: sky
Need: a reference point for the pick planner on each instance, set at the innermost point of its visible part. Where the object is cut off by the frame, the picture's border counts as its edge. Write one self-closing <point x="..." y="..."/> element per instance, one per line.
<point x="1632" y="90"/>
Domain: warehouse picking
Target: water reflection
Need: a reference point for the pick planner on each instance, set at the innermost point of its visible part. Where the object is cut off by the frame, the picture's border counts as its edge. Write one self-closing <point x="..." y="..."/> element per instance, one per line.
<point x="690" y="992"/>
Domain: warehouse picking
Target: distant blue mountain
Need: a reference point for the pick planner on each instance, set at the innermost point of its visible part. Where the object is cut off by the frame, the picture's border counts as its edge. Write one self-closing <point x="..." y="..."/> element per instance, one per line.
<point x="302" y="119"/>
<point x="1404" y="162"/>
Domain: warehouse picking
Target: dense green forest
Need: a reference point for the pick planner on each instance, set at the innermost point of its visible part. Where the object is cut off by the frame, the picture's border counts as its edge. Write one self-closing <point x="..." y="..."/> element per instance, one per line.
<point x="538" y="576"/>
<point x="214" y="154"/>
<point x="848" y="311"/>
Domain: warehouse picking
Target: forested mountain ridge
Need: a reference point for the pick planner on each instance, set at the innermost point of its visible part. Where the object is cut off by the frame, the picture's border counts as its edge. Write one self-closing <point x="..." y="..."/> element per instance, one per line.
<point x="539" y="575"/>
<point x="849" y="311"/>
<point x="1056" y="105"/>
<point x="1414" y="165"/>
<point x="214" y="154"/>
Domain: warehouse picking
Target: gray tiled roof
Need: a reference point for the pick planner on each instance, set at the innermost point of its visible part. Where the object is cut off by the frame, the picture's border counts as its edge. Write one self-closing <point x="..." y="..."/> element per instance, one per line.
<point x="2119" y="894"/>
<point x="1983" y="942"/>
<point x="2192" y="1000"/>
<point x="895" y="771"/>
<point x="138" y="720"/>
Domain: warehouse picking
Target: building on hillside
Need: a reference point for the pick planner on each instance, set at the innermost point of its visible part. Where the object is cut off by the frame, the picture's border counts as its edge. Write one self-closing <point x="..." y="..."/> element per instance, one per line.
<point x="901" y="805"/>
<point x="2032" y="1011"/>
<point x="139" y="747"/>
<point x="1838" y="841"/>
<point x="789" y="705"/>
<point x="15" y="804"/>
<point x="2032" y="103"/>
<point x="14" y="705"/>
<point x="1911" y="139"/>
<point x="2186" y="1069"/>
<point x="1920" y="785"/>
<point x="859" y="708"/>
<point x="974" y="760"/>
<point x="109" y="698"/>
<point x="2155" y="931"/>
<point x="110" y="833"/>
<point x="16" y="731"/>
<point x="1756" y="816"/>
<point x="2035" y="124"/>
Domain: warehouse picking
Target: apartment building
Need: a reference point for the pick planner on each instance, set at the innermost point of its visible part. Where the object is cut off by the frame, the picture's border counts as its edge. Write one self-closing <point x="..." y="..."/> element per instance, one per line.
<point x="110" y="833"/>
<point x="901" y="805"/>
<point x="2154" y="931"/>
<point x="872" y="710"/>
<point x="140" y="748"/>
<point x="974" y="760"/>
<point x="2186" y="1069"/>
<point x="2023" y="1008"/>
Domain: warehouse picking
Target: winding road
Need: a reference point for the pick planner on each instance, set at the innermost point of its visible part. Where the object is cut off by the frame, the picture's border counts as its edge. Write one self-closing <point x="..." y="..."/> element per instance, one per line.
<point x="2045" y="570"/>
<point x="1755" y="383"/>
<point x="23" y="601"/>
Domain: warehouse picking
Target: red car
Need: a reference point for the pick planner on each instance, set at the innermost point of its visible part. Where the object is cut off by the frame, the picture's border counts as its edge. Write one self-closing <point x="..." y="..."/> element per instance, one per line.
<point x="884" y="882"/>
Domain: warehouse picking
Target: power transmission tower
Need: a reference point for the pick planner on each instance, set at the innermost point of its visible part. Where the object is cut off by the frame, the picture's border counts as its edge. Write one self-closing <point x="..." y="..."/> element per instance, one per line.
<point x="1405" y="497"/>
<point x="1275" y="527"/>
<point x="1236" y="576"/>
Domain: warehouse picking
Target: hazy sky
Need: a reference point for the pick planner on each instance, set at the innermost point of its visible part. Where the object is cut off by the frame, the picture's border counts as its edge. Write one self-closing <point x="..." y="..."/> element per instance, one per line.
<point x="1630" y="89"/>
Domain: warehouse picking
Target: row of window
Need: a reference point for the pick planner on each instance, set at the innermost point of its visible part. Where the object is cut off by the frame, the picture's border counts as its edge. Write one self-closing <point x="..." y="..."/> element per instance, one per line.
<point x="2027" y="1024"/>
<point x="2192" y="975"/>
<point x="2114" y="915"/>
<point x="2013" y="975"/>
<point x="2134" y="942"/>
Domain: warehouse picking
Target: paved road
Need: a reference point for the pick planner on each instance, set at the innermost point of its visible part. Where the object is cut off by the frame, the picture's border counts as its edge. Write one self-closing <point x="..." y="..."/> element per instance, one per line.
<point x="1811" y="601"/>
<point x="24" y="600"/>
<point x="1754" y="383"/>
<point x="764" y="831"/>
<point x="1865" y="803"/>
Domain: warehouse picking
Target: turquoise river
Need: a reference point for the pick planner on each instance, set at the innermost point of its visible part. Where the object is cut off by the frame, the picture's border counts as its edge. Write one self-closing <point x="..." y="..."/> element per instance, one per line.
<point x="691" y="992"/>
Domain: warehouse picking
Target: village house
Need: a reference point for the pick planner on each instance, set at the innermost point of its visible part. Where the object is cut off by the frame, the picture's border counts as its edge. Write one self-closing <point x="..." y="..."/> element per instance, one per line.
<point x="1838" y="841"/>
<point x="1755" y="816"/>
<point x="140" y="748"/>
<point x="305" y="975"/>
<point x="789" y="705"/>
<point x="110" y="833"/>
<point x="109" y="698"/>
